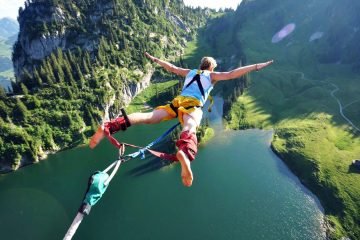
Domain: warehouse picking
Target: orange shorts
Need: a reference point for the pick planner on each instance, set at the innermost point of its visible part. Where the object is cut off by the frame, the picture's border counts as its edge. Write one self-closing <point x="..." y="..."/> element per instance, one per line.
<point x="184" y="105"/>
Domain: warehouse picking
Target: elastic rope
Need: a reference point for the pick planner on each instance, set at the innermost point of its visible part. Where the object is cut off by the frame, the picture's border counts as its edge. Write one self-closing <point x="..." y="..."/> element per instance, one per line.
<point x="142" y="150"/>
<point x="116" y="168"/>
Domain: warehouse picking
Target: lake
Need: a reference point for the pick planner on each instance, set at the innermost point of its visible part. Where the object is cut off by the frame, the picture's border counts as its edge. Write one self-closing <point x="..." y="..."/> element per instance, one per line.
<point x="241" y="190"/>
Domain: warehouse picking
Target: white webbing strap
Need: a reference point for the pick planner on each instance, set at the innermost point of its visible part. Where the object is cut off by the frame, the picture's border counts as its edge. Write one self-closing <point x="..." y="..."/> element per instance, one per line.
<point x="79" y="217"/>
<point x="74" y="226"/>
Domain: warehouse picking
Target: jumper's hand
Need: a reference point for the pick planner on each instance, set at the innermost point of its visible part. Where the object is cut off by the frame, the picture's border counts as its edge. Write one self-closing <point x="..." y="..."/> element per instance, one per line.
<point x="149" y="56"/>
<point x="260" y="66"/>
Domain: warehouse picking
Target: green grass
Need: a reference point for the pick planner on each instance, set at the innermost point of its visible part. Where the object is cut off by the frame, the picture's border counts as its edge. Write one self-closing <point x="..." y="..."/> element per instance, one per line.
<point x="156" y="94"/>
<point x="194" y="51"/>
<point x="209" y="134"/>
<point x="313" y="139"/>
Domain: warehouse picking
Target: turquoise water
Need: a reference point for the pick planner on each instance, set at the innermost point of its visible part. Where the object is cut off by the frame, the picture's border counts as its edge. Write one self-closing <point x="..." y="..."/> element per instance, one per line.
<point x="241" y="190"/>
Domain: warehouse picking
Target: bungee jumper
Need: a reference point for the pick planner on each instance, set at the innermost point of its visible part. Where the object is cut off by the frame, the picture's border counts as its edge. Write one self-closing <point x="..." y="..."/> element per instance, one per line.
<point x="187" y="107"/>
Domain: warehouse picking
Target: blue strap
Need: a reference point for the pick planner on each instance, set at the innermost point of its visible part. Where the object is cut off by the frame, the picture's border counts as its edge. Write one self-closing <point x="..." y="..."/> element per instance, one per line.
<point x="142" y="151"/>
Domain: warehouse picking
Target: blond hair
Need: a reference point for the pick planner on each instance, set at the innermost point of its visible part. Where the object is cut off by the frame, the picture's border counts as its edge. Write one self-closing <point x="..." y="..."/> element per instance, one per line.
<point x="207" y="62"/>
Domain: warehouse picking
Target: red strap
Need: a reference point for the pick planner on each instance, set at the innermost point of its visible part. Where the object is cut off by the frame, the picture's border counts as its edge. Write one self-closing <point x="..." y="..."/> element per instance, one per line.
<point x="112" y="139"/>
<point x="166" y="156"/>
<point x="117" y="144"/>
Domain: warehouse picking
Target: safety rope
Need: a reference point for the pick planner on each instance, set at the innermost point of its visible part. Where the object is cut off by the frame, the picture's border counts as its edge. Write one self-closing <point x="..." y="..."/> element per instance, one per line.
<point x="93" y="194"/>
<point x="141" y="151"/>
<point x="100" y="180"/>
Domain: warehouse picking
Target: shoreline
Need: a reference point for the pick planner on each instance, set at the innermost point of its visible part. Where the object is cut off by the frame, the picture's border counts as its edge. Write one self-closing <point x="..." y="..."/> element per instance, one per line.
<point x="7" y="169"/>
<point x="326" y="223"/>
<point x="146" y="95"/>
<point x="331" y="226"/>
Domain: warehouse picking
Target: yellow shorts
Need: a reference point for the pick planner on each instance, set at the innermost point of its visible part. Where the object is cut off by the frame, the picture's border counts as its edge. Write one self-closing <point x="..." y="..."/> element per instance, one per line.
<point x="184" y="105"/>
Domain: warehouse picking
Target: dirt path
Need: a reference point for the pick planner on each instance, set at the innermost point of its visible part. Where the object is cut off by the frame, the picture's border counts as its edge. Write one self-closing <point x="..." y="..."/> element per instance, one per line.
<point x="332" y="93"/>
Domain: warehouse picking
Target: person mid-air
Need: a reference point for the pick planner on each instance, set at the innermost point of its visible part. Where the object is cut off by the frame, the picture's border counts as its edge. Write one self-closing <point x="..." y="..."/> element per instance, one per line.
<point x="187" y="107"/>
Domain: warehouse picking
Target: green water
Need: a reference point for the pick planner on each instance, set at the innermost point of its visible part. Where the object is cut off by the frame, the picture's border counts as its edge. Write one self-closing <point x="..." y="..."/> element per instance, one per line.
<point x="241" y="191"/>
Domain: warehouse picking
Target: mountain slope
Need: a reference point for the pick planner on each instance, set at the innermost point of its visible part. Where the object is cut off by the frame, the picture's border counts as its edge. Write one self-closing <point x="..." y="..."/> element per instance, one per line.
<point x="8" y="28"/>
<point x="73" y="60"/>
<point x="314" y="79"/>
<point x="8" y="33"/>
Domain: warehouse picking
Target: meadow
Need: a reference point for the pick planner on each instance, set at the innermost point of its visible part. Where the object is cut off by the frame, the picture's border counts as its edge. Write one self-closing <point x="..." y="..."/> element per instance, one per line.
<point x="300" y="99"/>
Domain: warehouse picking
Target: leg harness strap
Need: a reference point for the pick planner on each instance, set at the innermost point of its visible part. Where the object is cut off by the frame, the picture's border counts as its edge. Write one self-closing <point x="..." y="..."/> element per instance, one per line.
<point x="175" y="109"/>
<point x="117" y="124"/>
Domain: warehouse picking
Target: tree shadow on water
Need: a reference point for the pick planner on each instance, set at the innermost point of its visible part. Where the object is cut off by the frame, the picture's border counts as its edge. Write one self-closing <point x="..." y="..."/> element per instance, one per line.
<point x="149" y="165"/>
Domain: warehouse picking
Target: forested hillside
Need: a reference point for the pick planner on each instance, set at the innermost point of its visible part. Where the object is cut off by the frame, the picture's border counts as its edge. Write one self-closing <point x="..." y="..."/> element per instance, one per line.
<point x="74" y="60"/>
<point x="309" y="96"/>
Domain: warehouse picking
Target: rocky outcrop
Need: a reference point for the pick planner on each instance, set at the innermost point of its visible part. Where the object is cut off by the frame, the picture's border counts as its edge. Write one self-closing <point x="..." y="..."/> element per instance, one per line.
<point x="35" y="40"/>
<point x="44" y="28"/>
<point x="133" y="89"/>
<point x="176" y="20"/>
<point x="41" y="47"/>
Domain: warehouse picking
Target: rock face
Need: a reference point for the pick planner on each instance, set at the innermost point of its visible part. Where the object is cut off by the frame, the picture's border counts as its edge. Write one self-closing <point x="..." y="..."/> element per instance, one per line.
<point x="133" y="89"/>
<point x="34" y="41"/>
<point x="45" y="27"/>
<point x="176" y="20"/>
<point x="39" y="48"/>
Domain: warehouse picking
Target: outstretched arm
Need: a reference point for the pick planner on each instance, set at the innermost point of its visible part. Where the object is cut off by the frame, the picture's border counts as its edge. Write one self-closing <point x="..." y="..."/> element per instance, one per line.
<point x="238" y="72"/>
<point x="168" y="66"/>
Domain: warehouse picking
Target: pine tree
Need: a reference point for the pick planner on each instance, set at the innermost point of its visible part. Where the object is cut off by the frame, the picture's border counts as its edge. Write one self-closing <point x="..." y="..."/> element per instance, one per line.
<point x="20" y="112"/>
<point x="68" y="93"/>
<point x="60" y="55"/>
<point x="85" y="66"/>
<point x="87" y="60"/>
<point x="2" y="93"/>
<point x="71" y="58"/>
<point x="80" y="77"/>
<point x="4" y="110"/>
<point x="88" y="118"/>
<point x="54" y="61"/>
<point x="59" y="73"/>
<point x="26" y="77"/>
<point x="43" y="75"/>
<point x="68" y="73"/>
<point x="49" y="72"/>
<point x="24" y="89"/>
<point x="37" y="77"/>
